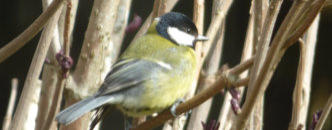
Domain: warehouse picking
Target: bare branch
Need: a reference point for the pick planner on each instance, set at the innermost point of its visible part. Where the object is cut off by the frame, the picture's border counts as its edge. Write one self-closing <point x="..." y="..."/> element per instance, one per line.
<point x="283" y="39"/>
<point x="95" y="58"/>
<point x="14" y="45"/>
<point x="227" y="115"/>
<point x="34" y="72"/>
<point x="62" y="75"/>
<point x="198" y="19"/>
<point x="11" y="103"/>
<point x="301" y="92"/>
<point x="264" y="21"/>
<point x="216" y="22"/>
<point x="325" y="114"/>
<point x="50" y="71"/>
<point x="159" y="7"/>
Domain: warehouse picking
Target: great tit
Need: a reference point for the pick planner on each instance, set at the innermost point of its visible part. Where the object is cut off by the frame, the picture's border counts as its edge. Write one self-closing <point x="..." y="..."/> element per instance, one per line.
<point x="152" y="73"/>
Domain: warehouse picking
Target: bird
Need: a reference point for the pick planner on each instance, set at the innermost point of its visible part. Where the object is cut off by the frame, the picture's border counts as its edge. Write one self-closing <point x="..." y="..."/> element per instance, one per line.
<point x="152" y="74"/>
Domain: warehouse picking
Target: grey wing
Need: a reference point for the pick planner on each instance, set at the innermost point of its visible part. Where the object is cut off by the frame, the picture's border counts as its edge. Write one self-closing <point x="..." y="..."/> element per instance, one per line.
<point x="130" y="73"/>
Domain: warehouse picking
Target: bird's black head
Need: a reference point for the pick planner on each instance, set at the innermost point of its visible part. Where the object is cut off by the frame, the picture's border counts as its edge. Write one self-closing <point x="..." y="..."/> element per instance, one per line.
<point x="179" y="29"/>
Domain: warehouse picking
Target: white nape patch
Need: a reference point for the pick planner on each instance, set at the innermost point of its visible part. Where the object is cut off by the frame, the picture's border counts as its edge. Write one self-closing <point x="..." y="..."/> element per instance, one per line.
<point x="157" y="19"/>
<point x="165" y="65"/>
<point x="180" y="37"/>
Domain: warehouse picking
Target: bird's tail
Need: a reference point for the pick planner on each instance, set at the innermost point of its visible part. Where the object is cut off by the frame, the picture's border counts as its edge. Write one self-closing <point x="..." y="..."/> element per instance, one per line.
<point x="75" y="111"/>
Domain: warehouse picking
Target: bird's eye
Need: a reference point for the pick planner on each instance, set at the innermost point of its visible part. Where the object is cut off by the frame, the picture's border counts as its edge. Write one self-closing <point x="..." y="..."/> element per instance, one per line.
<point x="188" y="29"/>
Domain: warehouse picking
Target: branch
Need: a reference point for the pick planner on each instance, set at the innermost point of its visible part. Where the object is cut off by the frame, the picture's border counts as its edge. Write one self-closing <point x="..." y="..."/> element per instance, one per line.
<point x="198" y="99"/>
<point x="11" y="103"/>
<point x="62" y="75"/>
<point x="227" y="115"/>
<point x="50" y="70"/>
<point x="14" y="45"/>
<point x="282" y="40"/>
<point x="325" y="114"/>
<point x="34" y="71"/>
<point x="216" y="22"/>
<point x="95" y="59"/>
<point x="264" y="21"/>
<point x="159" y="7"/>
<point x="301" y="92"/>
<point x="120" y="27"/>
<point x="197" y="116"/>
<point x="201" y="112"/>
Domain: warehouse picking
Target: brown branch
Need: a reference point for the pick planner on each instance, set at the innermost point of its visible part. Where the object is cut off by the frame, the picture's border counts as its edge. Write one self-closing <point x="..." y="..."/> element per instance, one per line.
<point x="325" y="114"/>
<point x="303" y="82"/>
<point x="14" y="45"/>
<point x="57" y="97"/>
<point x="216" y="22"/>
<point x="198" y="99"/>
<point x="241" y="82"/>
<point x="34" y="72"/>
<point x="297" y="94"/>
<point x="227" y="115"/>
<point x="277" y="50"/>
<point x="199" y="113"/>
<point x="243" y="66"/>
<point x="198" y="19"/>
<point x="159" y="7"/>
<point x="11" y="103"/>
<point x="55" y="106"/>
<point x="50" y="71"/>
<point x="264" y="20"/>
<point x="94" y="61"/>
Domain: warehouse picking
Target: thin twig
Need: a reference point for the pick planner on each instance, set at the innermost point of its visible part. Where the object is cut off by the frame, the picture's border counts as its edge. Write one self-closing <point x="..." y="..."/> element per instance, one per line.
<point x="297" y="94"/>
<point x="242" y="82"/>
<point x="55" y="103"/>
<point x="261" y="43"/>
<point x="278" y="47"/>
<point x="227" y="115"/>
<point x="198" y="19"/>
<point x="14" y="45"/>
<point x="10" y="108"/>
<point x="301" y="92"/>
<point x="34" y="72"/>
<point x="198" y="99"/>
<point x="159" y="7"/>
<point x="95" y="57"/>
<point x="325" y="114"/>
<point x="50" y="71"/>
<point x="57" y="97"/>
<point x="216" y="22"/>
<point x="243" y="66"/>
<point x="201" y="112"/>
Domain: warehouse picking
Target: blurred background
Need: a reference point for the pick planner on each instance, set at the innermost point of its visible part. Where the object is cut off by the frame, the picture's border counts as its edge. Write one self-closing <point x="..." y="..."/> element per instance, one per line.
<point x="17" y="15"/>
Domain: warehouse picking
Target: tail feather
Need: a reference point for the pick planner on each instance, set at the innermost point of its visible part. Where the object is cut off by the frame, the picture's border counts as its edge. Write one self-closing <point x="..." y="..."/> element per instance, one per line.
<point x="77" y="110"/>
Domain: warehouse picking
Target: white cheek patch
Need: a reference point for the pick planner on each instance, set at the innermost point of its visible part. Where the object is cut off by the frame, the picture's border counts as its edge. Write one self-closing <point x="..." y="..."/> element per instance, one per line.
<point x="180" y="37"/>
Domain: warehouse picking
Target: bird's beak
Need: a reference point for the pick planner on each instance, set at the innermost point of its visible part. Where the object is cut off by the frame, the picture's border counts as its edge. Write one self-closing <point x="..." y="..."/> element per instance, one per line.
<point x="201" y="38"/>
